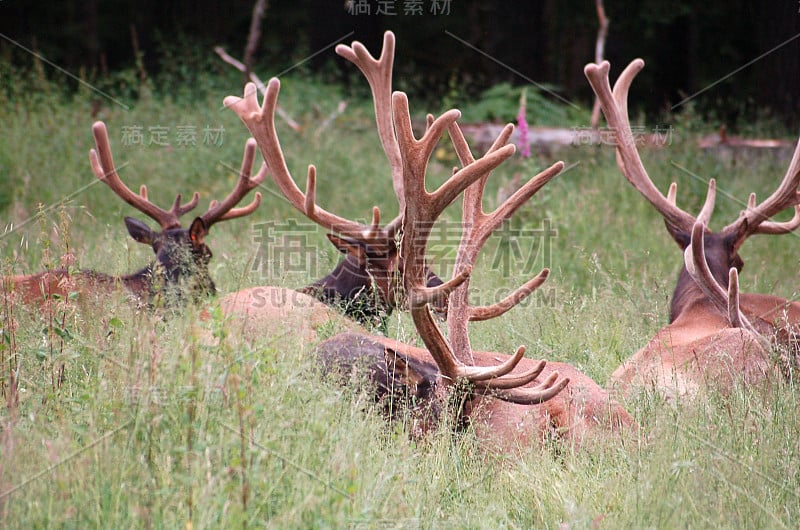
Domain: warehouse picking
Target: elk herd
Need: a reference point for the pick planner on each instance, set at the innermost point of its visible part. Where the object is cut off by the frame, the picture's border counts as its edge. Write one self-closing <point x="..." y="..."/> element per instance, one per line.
<point x="717" y="337"/>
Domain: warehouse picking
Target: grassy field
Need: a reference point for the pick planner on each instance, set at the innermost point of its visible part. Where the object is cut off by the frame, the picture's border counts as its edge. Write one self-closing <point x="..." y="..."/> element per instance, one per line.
<point x="126" y="420"/>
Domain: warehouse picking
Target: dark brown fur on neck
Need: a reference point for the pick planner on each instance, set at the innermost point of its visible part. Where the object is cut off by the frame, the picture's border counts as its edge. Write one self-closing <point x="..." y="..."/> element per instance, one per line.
<point x="721" y="257"/>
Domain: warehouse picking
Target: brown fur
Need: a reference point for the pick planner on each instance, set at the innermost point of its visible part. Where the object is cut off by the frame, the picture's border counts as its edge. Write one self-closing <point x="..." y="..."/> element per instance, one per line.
<point x="699" y="349"/>
<point x="274" y="312"/>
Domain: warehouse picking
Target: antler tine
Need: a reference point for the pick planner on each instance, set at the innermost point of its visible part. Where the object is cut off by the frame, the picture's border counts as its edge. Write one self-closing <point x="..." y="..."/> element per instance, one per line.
<point x="512" y="381"/>
<point x="534" y="396"/>
<point x="179" y="209"/>
<point x="777" y="228"/>
<point x="221" y="211"/>
<point x="754" y="220"/>
<point x="473" y="197"/>
<point x="422" y="296"/>
<point x="697" y="266"/>
<point x="615" y="109"/>
<point x="707" y="210"/>
<point x="260" y="121"/>
<point x="417" y="153"/>
<point x="529" y="396"/>
<point x="477" y="314"/>
<point x="422" y="208"/>
<point x="734" y="311"/>
<point x="379" y="76"/>
<point x="735" y="315"/>
<point x="102" y="163"/>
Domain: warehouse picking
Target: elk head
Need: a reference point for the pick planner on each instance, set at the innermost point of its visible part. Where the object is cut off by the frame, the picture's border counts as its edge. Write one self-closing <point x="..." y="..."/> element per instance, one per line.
<point x="365" y="284"/>
<point x="182" y="256"/>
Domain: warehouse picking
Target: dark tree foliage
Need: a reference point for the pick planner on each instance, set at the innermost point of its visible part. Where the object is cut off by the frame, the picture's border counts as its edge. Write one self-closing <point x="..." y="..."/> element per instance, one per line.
<point x="688" y="45"/>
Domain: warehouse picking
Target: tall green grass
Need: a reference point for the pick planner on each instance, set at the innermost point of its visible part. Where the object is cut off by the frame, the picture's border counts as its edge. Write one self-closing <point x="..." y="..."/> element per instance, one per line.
<point x="125" y="419"/>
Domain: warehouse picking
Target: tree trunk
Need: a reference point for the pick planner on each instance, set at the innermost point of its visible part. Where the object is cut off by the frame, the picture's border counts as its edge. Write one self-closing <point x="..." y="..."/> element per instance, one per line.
<point x="259" y="11"/>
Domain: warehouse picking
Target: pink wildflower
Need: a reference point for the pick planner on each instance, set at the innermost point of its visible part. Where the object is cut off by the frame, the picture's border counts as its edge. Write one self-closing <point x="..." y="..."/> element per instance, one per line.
<point x="522" y="125"/>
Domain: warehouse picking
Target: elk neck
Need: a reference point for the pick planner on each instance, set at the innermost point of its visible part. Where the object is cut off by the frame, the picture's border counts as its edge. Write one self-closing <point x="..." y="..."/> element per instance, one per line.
<point x="721" y="257"/>
<point x="365" y="293"/>
<point x="173" y="284"/>
<point x="360" y="293"/>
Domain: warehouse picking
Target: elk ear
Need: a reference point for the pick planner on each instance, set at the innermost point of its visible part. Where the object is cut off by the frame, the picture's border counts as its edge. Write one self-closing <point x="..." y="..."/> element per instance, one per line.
<point x="350" y="247"/>
<point x="681" y="238"/>
<point x="731" y="241"/>
<point x="140" y="231"/>
<point x="198" y="231"/>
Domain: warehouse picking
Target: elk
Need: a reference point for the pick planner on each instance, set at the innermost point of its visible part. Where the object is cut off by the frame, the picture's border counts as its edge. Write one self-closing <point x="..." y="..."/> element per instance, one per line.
<point x="182" y="257"/>
<point x="509" y="399"/>
<point x="715" y="336"/>
<point x="364" y="284"/>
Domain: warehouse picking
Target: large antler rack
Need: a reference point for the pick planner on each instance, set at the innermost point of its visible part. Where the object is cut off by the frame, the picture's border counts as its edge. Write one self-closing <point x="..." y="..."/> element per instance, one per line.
<point x="753" y="220"/>
<point x="102" y="163"/>
<point x="615" y="108"/>
<point x="422" y="208"/>
<point x="260" y="120"/>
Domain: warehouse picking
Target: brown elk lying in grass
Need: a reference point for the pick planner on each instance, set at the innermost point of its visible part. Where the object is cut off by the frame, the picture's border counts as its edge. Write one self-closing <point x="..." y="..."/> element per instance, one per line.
<point x="365" y="284"/>
<point x="715" y="335"/>
<point x="510" y="400"/>
<point x="407" y="381"/>
<point x="182" y="257"/>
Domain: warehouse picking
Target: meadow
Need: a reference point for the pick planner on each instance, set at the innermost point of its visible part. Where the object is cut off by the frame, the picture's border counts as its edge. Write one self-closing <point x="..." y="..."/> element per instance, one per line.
<point x="125" y="418"/>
